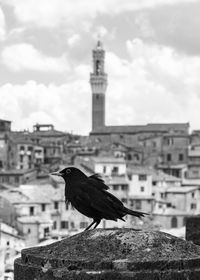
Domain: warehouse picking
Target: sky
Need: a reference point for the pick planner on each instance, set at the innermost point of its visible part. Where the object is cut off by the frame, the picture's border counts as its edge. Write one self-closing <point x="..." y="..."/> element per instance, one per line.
<point x="152" y="61"/>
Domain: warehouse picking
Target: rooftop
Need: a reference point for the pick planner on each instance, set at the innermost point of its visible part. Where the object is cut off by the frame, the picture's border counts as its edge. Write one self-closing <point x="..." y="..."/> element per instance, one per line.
<point x="170" y="212"/>
<point x="108" y="160"/>
<point x="181" y="189"/>
<point x="159" y="175"/>
<point x="33" y="220"/>
<point x="116" y="180"/>
<point x="27" y="194"/>
<point x="151" y="127"/>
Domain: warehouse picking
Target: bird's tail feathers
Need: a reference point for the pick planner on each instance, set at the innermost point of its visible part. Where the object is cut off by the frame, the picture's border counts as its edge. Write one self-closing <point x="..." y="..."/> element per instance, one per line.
<point x="135" y="213"/>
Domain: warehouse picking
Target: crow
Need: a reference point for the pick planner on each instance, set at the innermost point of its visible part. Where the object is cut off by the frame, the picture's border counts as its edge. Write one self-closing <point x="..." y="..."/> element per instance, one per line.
<point x="90" y="197"/>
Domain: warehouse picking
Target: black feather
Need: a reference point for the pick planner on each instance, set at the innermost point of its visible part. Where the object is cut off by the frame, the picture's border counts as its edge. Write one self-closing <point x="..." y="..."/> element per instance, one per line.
<point x="97" y="176"/>
<point x="90" y="197"/>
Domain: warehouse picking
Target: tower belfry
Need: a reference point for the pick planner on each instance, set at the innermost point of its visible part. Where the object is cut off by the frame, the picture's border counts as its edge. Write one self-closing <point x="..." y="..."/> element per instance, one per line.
<point x="98" y="82"/>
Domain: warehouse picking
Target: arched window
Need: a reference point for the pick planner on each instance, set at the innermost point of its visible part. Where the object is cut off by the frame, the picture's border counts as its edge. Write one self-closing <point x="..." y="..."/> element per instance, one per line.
<point x="98" y="67"/>
<point x="174" y="222"/>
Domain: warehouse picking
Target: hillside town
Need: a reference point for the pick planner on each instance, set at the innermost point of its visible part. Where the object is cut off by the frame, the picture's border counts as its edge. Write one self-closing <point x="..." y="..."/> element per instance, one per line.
<point x="154" y="168"/>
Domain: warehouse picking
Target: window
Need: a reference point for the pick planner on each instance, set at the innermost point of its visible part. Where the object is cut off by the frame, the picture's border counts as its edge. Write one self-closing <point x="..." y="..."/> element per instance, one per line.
<point x="46" y="231"/>
<point x="43" y="207"/>
<point x="54" y="225"/>
<point x="21" y="148"/>
<point x="115" y="187"/>
<point x="115" y="170"/>
<point x="170" y="141"/>
<point x="174" y="222"/>
<point x="64" y="224"/>
<point x="154" y="144"/>
<point x="21" y="158"/>
<point x="31" y="211"/>
<point x="180" y="157"/>
<point x="138" y="204"/>
<point x="104" y="169"/>
<point x="129" y="157"/>
<point x="136" y="157"/>
<point x="142" y="189"/>
<point x="131" y="202"/>
<point x="142" y="177"/>
<point x="169" y="157"/>
<point x="16" y="179"/>
<point x="56" y="205"/>
<point x="193" y="206"/>
<point x="193" y="194"/>
<point x="29" y="230"/>
<point x="124" y="187"/>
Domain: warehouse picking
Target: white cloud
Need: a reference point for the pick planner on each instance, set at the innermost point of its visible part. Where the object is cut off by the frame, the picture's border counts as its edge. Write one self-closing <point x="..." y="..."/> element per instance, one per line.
<point x="101" y="31"/>
<point x="52" y="12"/>
<point x="26" y="57"/>
<point x="156" y="85"/>
<point x="2" y="25"/>
<point x="143" y="23"/>
<point x="73" y="40"/>
<point x="33" y="103"/>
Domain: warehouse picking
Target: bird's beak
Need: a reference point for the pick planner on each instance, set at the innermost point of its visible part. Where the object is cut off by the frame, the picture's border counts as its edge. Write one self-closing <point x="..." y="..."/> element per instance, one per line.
<point x="56" y="173"/>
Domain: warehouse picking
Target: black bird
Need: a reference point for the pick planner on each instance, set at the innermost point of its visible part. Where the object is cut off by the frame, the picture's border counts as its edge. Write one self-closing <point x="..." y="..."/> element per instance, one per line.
<point x="90" y="197"/>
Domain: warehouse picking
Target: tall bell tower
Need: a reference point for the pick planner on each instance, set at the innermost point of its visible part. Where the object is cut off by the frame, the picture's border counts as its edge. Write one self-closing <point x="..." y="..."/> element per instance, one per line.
<point x="98" y="82"/>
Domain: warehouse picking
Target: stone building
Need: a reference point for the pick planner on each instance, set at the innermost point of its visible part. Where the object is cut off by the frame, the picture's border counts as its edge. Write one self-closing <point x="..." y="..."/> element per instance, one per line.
<point x="51" y="140"/>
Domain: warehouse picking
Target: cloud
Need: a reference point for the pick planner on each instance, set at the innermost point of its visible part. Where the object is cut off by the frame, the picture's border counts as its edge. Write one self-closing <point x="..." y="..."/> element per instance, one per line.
<point x="156" y="85"/>
<point x="101" y="31"/>
<point x="24" y="56"/>
<point x="2" y="26"/>
<point x="52" y="13"/>
<point x="73" y="40"/>
<point x="144" y="25"/>
<point x="33" y="103"/>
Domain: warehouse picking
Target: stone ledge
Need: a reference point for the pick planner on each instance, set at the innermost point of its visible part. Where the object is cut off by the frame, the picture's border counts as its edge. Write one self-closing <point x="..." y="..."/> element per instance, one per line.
<point x="112" y="254"/>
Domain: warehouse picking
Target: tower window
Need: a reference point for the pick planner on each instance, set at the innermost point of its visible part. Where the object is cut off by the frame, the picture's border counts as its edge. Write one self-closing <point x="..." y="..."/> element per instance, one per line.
<point x="97" y="96"/>
<point x="98" y="67"/>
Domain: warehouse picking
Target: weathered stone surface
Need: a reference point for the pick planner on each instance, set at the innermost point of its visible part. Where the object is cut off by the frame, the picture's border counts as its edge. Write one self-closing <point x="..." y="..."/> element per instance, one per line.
<point x="112" y="254"/>
<point x="193" y="229"/>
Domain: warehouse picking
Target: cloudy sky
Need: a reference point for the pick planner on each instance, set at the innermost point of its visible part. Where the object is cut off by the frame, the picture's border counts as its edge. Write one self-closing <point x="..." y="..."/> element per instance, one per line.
<point x="152" y="60"/>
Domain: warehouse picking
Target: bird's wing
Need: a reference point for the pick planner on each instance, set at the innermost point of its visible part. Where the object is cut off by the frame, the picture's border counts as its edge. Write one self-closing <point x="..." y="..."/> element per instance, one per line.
<point x="100" y="202"/>
<point x="97" y="181"/>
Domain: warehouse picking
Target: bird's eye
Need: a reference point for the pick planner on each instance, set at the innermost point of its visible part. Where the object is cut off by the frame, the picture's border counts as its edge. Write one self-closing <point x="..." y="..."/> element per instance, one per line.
<point x="68" y="171"/>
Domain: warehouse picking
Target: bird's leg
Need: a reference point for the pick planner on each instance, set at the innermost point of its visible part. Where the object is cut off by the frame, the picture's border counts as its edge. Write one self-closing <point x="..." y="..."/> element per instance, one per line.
<point x="97" y="223"/>
<point x="90" y="225"/>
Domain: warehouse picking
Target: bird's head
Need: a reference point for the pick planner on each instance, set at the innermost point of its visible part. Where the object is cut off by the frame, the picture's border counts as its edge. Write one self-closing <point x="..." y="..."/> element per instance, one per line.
<point x="70" y="173"/>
